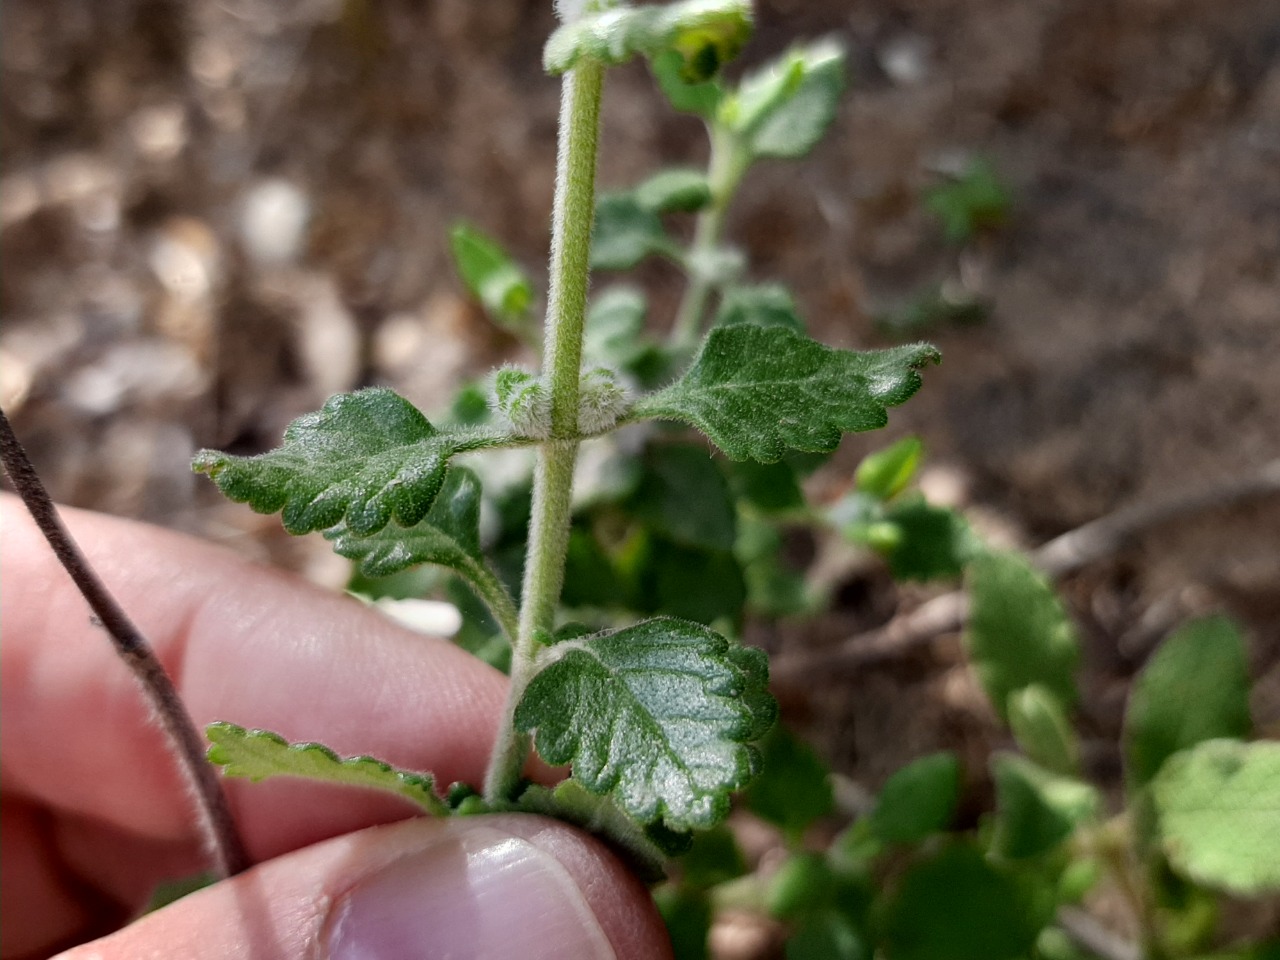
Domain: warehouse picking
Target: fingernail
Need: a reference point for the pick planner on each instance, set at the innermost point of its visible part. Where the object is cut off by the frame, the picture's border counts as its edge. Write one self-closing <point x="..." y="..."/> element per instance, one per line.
<point x="477" y="894"/>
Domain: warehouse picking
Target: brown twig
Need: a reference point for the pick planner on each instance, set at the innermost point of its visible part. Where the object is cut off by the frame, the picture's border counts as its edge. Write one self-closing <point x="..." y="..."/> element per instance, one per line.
<point x="1057" y="558"/>
<point x="185" y="742"/>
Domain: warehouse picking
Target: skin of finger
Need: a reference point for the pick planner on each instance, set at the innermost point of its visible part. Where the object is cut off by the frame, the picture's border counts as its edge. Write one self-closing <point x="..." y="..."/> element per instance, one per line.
<point x="245" y="644"/>
<point x="281" y="908"/>
<point x="30" y="885"/>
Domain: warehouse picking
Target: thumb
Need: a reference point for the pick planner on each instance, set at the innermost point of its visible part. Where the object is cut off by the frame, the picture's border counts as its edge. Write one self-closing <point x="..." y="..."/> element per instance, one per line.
<point x="476" y="887"/>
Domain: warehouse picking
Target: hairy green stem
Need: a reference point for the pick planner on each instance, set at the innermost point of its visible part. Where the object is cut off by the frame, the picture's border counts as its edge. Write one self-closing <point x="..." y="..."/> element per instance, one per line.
<point x="727" y="165"/>
<point x="572" y="218"/>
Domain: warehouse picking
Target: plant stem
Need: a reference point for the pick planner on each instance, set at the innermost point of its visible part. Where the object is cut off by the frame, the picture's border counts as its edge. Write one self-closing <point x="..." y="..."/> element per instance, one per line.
<point x="727" y="165"/>
<point x="572" y="218"/>
<point x="218" y="827"/>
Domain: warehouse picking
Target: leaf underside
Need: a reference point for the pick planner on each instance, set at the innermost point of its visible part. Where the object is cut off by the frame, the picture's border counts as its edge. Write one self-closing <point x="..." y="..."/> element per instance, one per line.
<point x="759" y="391"/>
<point x="659" y="716"/>
<point x="258" y="754"/>
<point x="449" y="535"/>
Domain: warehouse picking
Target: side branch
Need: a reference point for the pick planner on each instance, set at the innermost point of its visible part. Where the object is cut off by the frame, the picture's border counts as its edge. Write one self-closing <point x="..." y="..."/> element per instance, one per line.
<point x="1059" y="557"/>
<point x="216" y="824"/>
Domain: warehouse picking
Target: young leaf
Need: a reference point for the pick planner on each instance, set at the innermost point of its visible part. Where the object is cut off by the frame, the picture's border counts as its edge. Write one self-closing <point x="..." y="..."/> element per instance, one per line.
<point x="1018" y="633"/>
<point x="1039" y="724"/>
<point x="363" y="459"/>
<point x="491" y="276"/>
<point x="1194" y="688"/>
<point x="625" y="233"/>
<point x="763" y="304"/>
<point x="794" y="786"/>
<point x="757" y="391"/>
<point x="1036" y="809"/>
<point x="449" y="536"/>
<point x="674" y="189"/>
<point x="258" y="754"/>
<point x="659" y="717"/>
<point x="1218" y="806"/>
<point x="918" y="800"/>
<point x="784" y="109"/>
<point x="954" y="905"/>
<point x="705" y="34"/>
<point x="886" y="473"/>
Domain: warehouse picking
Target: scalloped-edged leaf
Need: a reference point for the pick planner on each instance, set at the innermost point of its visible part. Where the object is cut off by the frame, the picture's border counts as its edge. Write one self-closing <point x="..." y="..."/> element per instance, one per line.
<point x="705" y="34"/>
<point x="1018" y="632"/>
<point x="759" y="391"/>
<point x="258" y="754"/>
<point x="1195" y="687"/>
<point x="491" y="275"/>
<point x="363" y="459"/>
<point x="659" y="716"/>
<point x="784" y="109"/>
<point x="1218" y="806"/>
<point x="645" y="850"/>
<point x="448" y="536"/>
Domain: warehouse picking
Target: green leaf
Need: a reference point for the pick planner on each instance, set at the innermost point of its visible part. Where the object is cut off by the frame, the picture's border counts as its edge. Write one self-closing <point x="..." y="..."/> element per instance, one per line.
<point x="974" y="201"/>
<point x="770" y="488"/>
<point x="667" y="569"/>
<point x="659" y="717"/>
<point x="448" y="536"/>
<point x="590" y="577"/>
<point x="794" y="786"/>
<point x="1040" y="726"/>
<point x="918" y="800"/>
<point x="1218" y="806"/>
<point x="701" y="97"/>
<point x="1194" y="688"/>
<point x="491" y="276"/>
<point x="886" y="473"/>
<point x="364" y="459"/>
<point x="828" y="935"/>
<point x="1018" y="633"/>
<point x="763" y="305"/>
<point x="802" y="885"/>
<point x="954" y="905"/>
<point x="674" y="189"/>
<point x="683" y="495"/>
<point x="930" y="543"/>
<point x="258" y="754"/>
<point x="757" y="391"/>
<point x="1036" y="810"/>
<point x="571" y="802"/>
<point x="784" y="109"/>
<point x="704" y="34"/>
<point x="625" y="233"/>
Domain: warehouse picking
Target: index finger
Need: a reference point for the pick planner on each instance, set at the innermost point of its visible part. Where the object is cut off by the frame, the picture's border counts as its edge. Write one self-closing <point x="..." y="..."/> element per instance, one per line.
<point x="243" y="643"/>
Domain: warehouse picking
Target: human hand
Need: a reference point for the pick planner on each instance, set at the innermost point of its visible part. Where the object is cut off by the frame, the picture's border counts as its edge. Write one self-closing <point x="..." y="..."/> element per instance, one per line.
<point x="93" y="813"/>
